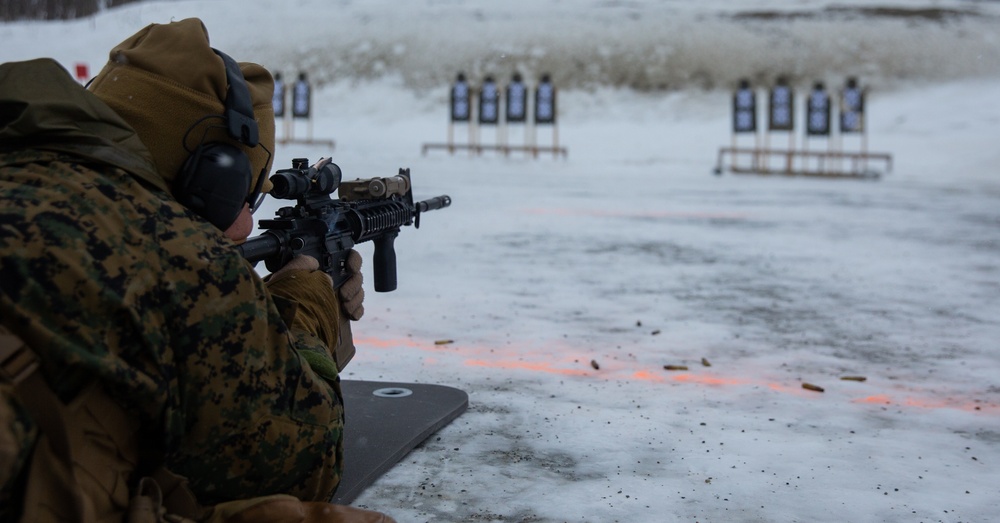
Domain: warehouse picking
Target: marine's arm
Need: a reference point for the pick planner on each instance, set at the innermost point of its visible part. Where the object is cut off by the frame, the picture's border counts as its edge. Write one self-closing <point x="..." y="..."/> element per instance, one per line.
<point x="318" y="313"/>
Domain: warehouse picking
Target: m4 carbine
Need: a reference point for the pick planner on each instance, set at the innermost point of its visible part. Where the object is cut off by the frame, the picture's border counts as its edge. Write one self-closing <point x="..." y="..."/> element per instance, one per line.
<point x="327" y="228"/>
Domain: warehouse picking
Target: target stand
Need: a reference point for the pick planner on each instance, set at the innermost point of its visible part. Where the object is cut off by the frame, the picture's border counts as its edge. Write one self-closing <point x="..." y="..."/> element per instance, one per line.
<point x="746" y="160"/>
<point x="480" y="109"/>
<point x="329" y="144"/>
<point x="478" y="149"/>
<point x="300" y="110"/>
<point x="834" y="162"/>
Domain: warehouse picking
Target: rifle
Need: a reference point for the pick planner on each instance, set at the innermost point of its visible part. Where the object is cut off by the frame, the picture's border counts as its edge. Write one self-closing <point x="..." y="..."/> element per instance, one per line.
<point x="327" y="229"/>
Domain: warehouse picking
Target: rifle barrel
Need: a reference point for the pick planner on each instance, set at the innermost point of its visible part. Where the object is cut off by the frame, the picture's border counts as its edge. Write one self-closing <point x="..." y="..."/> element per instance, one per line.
<point x="438" y="202"/>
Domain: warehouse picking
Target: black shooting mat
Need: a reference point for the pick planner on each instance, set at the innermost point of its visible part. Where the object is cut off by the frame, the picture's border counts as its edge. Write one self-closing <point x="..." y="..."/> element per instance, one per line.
<point x="384" y="422"/>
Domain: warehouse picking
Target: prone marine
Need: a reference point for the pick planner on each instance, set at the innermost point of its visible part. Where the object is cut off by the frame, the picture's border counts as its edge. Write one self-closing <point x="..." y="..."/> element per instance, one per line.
<point x="148" y="371"/>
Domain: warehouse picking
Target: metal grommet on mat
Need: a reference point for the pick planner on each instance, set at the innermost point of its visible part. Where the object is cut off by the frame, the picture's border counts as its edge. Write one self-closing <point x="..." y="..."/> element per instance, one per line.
<point x="392" y="392"/>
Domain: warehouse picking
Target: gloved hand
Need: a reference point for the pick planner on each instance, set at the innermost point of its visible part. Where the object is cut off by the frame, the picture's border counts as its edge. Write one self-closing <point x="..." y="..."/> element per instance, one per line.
<point x="351" y="293"/>
<point x="298" y="263"/>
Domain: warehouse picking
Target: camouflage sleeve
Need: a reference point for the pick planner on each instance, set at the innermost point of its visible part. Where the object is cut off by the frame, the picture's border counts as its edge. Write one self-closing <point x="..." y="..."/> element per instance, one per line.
<point x="108" y="280"/>
<point x="266" y="421"/>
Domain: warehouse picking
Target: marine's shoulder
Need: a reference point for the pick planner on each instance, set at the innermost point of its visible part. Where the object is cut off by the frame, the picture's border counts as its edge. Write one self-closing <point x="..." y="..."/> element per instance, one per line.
<point x="44" y="108"/>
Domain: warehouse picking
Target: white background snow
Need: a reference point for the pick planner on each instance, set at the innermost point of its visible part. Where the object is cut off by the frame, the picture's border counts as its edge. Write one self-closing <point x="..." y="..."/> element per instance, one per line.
<point x="631" y="254"/>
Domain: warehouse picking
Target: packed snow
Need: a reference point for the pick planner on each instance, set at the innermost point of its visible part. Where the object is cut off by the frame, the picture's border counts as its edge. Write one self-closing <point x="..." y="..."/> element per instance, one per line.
<point x="568" y="286"/>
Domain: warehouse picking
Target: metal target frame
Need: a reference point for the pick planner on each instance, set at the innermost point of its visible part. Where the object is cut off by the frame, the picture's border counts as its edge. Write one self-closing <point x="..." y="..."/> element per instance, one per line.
<point x="298" y="110"/>
<point x="821" y="111"/>
<point x="499" y="119"/>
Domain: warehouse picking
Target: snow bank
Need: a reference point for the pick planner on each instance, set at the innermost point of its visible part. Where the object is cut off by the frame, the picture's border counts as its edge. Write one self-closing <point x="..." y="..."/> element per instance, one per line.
<point x="640" y="44"/>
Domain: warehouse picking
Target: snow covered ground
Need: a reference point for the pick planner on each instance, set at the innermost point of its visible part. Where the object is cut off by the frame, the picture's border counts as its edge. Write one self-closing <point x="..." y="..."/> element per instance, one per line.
<point x="629" y="256"/>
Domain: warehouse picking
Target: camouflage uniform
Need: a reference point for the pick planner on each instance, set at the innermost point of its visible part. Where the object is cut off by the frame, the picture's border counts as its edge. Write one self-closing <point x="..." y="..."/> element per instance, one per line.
<point x="107" y="278"/>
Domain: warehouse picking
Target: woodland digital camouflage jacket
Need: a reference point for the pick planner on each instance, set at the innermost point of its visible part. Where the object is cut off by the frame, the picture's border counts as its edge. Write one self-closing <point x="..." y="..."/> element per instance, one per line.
<point x="108" y="278"/>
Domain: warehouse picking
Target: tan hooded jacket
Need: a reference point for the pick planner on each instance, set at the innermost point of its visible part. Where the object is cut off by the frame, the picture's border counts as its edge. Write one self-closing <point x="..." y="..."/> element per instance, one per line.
<point x="108" y="279"/>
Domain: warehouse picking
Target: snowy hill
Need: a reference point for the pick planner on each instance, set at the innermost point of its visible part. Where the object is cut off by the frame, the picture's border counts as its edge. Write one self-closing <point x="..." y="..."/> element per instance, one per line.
<point x="642" y="44"/>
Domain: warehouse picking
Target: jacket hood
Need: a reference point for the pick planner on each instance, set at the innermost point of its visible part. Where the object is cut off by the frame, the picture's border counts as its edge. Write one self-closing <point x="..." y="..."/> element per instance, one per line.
<point x="170" y="85"/>
<point x="43" y="107"/>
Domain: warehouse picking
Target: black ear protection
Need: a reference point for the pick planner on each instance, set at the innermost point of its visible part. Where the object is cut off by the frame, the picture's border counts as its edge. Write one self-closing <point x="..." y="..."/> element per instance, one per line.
<point x="215" y="179"/>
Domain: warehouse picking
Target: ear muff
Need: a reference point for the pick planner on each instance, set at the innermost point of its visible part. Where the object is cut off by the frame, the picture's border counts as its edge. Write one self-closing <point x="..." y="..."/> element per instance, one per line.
<point x="215" y="179"/>
<point x="214" y="183"/>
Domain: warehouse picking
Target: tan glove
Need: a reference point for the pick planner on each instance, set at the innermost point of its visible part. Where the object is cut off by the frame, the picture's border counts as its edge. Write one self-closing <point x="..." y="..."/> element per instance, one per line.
<point x="298" y="263"/>
<point x="309" y="304"/>
<point x="351" y="293"/>
<point x="299" y="280"/>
